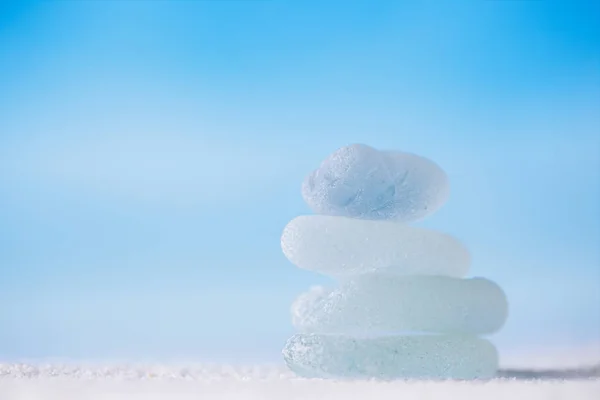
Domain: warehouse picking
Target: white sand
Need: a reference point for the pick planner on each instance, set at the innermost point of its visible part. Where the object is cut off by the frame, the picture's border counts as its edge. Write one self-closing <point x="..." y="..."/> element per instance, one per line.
<point x="223" y="382"/>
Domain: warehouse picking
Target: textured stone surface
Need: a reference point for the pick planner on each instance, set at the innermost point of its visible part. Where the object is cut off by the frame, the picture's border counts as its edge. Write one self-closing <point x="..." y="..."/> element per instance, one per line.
<point x="361" y="182"/>
<point x="340" y="246"/>
<point x="379" y="303"/>
<point x="393" y="357"/>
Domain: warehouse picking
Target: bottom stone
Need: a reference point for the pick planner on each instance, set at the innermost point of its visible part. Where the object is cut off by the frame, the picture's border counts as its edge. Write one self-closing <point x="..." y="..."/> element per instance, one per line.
<point x="391" y="357"/>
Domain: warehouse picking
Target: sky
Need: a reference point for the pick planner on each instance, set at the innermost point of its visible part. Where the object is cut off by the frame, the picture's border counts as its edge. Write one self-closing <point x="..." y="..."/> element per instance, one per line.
<point x="151" y="153"/>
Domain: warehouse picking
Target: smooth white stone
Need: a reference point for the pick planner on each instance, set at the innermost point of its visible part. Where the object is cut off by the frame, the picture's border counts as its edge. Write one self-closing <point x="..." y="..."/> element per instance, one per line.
<point x="392" y="357"/>
<point x="340" y="246"/>
<point x="361" y="182"/>
<point x="379" y="303"/>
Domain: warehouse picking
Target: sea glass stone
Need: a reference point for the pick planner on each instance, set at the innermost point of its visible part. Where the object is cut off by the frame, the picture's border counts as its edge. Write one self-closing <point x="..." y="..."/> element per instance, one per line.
<point x="381" y="303"/>
<point x="359" y="181"/>
<point x="391" y="357"/>
<point x="341" y="246"/>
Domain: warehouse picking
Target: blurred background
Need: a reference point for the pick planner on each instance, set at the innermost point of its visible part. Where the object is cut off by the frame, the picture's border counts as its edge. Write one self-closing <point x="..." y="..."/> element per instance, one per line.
<point x="151" y="153"/>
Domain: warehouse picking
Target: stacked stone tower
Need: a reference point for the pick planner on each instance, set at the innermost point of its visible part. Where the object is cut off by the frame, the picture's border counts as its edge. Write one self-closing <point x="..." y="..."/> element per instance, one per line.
<point x="402" y="307"/>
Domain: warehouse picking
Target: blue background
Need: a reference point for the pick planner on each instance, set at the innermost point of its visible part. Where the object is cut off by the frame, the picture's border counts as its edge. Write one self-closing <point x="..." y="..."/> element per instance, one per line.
<point x="152" y="152"/>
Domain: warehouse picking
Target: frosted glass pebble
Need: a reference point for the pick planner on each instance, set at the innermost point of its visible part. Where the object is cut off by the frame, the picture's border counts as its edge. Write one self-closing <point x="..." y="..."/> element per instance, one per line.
<point x="381" y="303"/>
<point x="361" y="182"/>
<point x="391" y="357"/>
<point x="340" y="246"/>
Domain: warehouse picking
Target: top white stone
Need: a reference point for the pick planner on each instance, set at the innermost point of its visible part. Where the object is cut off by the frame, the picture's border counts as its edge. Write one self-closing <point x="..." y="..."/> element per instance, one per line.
<point x="359" y="181"/>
